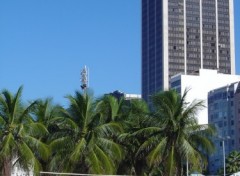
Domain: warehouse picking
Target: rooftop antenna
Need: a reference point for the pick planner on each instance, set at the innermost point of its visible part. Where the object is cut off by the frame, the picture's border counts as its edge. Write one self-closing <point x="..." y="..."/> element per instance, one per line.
<point x="84" y="78"/>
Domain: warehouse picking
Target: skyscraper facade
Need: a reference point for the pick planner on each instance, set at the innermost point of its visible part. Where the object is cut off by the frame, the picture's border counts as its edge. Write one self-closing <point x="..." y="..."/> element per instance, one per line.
<point x="224" y="113"/>
<point x="183" y="36"/>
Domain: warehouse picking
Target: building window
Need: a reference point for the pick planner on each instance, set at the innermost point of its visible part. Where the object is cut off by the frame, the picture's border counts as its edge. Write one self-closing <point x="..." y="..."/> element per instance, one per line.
<point x="176" y="83"/>
<point x="225" y="123"/>
<point x="220" y="124"/>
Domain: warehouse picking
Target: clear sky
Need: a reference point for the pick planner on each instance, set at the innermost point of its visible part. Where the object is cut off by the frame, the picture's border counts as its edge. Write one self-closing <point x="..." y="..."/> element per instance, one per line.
<point x="44" y="44"/>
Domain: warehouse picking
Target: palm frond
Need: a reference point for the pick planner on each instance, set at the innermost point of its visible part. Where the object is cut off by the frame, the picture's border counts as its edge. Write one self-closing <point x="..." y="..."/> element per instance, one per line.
<point x="60" y="145"/>
<point x="15" y="102"/>
<point x="108" y="129"/>
<point x="148" y="131"/>
<point x="27" y="110"/>
<point x="156" y="154"/>
<point x="114" y="150"/>
<point x="7" y="146"/>
<point x="171" y="162"/>
<point x="94" y="163"/>
<point x="2" y="122"/>
<point x="78" y="150"/>
<point x="35" y="129"/>
<point x="28" y="158"/>
<point x="106" y="163"/>
<point x="40" y="149"/>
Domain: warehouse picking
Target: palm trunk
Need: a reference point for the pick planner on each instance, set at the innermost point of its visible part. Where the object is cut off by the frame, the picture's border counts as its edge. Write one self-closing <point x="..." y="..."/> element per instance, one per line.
<point x="179" y="168"/>
<point x="7" y="167"/>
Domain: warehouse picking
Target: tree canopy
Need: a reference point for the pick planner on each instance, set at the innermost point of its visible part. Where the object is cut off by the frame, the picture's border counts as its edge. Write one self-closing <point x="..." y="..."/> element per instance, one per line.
<point x="104" y="135"/>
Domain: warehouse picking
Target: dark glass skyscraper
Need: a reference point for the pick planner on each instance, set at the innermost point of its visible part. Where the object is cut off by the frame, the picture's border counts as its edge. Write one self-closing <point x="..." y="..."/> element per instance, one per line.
<point x="182" y="36"/>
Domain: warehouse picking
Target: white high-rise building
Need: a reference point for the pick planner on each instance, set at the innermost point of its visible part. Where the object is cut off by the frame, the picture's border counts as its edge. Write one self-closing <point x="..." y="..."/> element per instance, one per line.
<point x="200" y="84"/>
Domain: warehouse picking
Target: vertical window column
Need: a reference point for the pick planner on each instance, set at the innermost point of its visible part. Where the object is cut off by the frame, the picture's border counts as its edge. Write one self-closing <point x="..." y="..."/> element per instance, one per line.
<point x="155" y="46"/>
<point x="185" y="37"/>
<point x="232" y="46"/>
<point x="201" y="34"/>
<point x="217" y="37"/>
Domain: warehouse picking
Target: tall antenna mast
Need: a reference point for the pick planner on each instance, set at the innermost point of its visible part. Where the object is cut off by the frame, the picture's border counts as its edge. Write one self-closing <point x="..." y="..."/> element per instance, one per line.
<point x="84" y="78"/>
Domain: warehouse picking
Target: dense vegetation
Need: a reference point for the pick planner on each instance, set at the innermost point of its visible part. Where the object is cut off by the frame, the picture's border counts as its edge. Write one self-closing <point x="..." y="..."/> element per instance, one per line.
<point x="103" y="136"/>
<point x="232" y="163"/>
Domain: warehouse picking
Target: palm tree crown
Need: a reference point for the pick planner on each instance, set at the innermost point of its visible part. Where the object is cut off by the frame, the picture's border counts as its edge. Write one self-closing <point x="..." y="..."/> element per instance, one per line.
<point x="85" y="143"/>
<point x="103" y="136"/>
<point x="173" y="135"/>
<point x="19" y="136"/>
<point x="233" y="162"/>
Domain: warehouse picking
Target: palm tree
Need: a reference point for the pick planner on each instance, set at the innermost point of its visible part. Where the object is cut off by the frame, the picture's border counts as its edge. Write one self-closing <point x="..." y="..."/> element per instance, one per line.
<point x="47" y="113"/>
<point x="83" y="143"/>
<point x="131" y="115"/>
<point x="136" y="116"/>
<point x="233" y="162"/>
<point x="19" y="143"/>
<point x="173" y="135"/>
<point x="110" y="109"/>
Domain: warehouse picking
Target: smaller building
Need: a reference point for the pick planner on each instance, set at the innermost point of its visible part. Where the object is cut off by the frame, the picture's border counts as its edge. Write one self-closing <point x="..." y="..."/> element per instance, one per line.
<point x="132" y="96"/>
<point x="200" y="83"/>
<point x="118" y="94"/>
<point x="196" y="174"/>
<point x="224" y="113"/>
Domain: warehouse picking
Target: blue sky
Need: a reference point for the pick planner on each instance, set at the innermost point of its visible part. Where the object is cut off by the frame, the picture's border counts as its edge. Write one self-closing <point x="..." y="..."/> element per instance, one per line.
<point x="44" y="44"/>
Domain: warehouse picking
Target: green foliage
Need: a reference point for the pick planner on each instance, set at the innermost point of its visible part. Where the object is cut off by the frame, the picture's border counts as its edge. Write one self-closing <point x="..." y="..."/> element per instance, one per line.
<point x="85" y="143"/>
<point x="19" y="143"/>
<point x="173" y="135"/>
<point x="103" y="136"/>
<point x="232" y="163"/>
